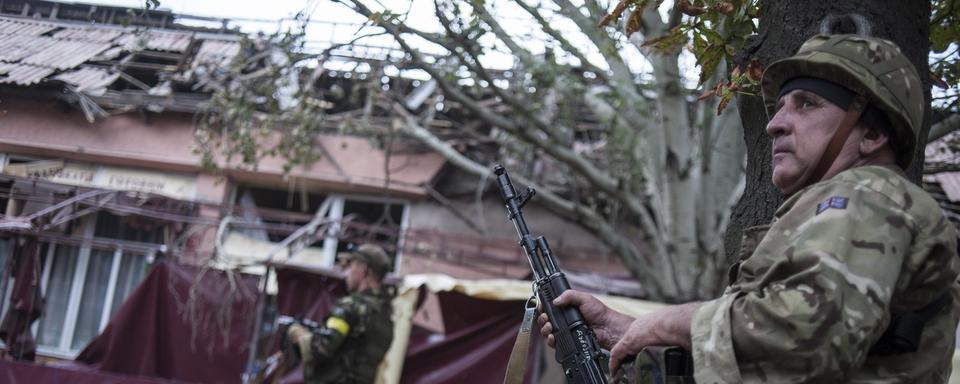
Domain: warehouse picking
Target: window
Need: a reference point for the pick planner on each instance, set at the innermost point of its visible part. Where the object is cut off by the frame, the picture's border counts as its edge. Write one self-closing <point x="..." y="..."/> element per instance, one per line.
<point x="371" y="221"/>
<point x="366" y="220"/>
<point x="282" y="212"/>
<point x="84" y="285"/>
<point x="4" y="187"/>
<point x="5" y="245"/>
<point x="272" y="215"/>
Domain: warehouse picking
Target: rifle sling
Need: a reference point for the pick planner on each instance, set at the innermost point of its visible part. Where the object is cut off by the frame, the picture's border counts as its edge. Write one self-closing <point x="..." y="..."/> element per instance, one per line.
<point x="517" y="366"/>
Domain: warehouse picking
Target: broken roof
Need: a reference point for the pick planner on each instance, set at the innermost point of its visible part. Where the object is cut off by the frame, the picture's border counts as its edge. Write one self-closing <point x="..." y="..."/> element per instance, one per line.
<point x="85" y="56"/>
<point x="941" y="151"/>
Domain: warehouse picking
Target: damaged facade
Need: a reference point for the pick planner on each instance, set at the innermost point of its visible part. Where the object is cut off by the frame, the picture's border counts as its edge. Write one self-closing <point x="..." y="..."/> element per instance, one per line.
<point x="99" y="179"/>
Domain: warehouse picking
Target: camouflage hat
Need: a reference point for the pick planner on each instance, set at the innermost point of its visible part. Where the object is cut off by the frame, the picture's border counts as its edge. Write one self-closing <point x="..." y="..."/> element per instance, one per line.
<point x="868" y="66"/>
<point x="371" y="255"/>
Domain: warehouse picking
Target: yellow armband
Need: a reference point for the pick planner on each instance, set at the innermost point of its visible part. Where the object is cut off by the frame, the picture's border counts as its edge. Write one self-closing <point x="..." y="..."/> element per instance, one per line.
<point x="338" y="324"/>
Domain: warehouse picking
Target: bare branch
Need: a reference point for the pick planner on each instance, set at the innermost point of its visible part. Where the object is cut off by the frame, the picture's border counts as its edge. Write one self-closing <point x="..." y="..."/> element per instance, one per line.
<point x="412" y="128"/>
<point x="567" y="46"/>
<point x="943" y="127"/>
<point x="598" y="178"/>
<point x="566" y="208"/>
<point x="653" y="25"/>
<point x="525" y="57"/>
<point x="607" y="46"/>
<point x="931" y="169"/>
<point x="446" y="203"/>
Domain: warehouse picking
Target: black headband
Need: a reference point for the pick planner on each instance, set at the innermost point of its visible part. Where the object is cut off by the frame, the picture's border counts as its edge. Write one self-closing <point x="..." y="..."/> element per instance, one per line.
<point x="833" y="92"/>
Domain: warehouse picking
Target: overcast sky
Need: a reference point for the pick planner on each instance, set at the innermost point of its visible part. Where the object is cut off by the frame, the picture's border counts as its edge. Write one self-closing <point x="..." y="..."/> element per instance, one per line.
<point x="254" y="16"/>
<point x="271" y="10"/>
<point x="334" y="22"/>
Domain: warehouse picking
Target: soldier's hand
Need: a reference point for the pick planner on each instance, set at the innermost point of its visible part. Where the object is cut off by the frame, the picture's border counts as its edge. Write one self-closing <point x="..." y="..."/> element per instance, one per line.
<point x="608" y="325"/>
<point x="637" y="336"/>
<point x="296" y="333"/>
<point x="667" y="326"/>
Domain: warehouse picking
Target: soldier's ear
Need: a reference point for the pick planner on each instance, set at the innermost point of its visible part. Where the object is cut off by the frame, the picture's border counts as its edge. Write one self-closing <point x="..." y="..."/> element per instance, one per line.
<point x="872" y="141"/>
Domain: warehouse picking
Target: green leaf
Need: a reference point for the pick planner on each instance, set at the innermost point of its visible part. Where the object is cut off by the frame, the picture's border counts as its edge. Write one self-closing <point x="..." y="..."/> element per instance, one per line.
<point x="709" y="60"/>
<point x="672" y="40"/>
<point x="700" y="44"/>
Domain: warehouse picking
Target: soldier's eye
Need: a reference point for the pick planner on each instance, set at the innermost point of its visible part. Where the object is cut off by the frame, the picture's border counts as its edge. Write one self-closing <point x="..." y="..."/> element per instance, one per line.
<point x="806" y="103"/>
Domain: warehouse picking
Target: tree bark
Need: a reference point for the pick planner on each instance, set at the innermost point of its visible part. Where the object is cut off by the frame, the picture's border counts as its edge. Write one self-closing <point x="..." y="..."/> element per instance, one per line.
<point x="784" y="26"/>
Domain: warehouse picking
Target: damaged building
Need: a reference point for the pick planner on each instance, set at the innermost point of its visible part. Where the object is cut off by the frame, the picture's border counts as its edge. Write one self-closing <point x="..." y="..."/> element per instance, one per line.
<point x="100" y="183"/>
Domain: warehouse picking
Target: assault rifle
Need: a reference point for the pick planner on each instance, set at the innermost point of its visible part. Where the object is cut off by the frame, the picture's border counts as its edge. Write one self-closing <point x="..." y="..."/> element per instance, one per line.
<point x="577" y="348"/>
<point x="289" y="355"/>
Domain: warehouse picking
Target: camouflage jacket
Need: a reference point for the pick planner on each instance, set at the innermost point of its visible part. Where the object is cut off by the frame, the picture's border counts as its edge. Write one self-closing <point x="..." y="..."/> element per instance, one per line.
<point x="351" y="343"/>
<point x="815" y="290"/>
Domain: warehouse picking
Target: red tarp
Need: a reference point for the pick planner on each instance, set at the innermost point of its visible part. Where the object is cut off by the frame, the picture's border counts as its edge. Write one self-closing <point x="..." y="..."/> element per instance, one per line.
<point x="163" y="332"/>
<point x="182" y="323"/>
<point x="308" y="295"/>
<point x="476" y="347"/>
<point x="12" y="372"/>
<point x="26" y="304"/>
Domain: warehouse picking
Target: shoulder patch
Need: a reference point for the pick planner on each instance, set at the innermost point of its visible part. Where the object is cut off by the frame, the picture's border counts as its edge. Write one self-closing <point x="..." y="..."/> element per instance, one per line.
<point x="835" y="202"/>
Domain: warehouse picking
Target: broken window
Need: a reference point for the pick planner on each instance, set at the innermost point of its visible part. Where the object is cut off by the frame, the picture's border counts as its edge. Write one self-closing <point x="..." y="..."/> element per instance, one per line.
<point x="271" y="215"/>
<point x="6" y="281"/>
<point x="375" y="222"/>
<point x="274" y="214"/>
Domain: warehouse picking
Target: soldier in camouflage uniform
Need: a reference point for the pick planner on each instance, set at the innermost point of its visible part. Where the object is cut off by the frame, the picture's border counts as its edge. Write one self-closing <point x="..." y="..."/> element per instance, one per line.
<point x="855" y="279"/>
<point x="355" y="336"/>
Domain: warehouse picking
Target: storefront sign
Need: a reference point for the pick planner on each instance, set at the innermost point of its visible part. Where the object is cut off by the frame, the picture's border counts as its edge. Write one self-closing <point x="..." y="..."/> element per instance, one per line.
<point x="178" y="186"/>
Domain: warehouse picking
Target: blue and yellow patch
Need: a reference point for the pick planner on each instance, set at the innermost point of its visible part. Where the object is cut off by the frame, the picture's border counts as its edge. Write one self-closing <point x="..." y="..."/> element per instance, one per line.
<point x="836" y="202"/>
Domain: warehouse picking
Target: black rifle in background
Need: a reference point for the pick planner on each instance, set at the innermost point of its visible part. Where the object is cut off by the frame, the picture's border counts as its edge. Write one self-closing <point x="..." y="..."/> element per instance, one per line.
<point x="577" y="348"/>
<point x="287" y="357"/>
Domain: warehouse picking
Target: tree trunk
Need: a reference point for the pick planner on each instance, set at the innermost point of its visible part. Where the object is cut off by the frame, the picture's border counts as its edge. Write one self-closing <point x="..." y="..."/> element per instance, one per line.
<point x="784" y="26"/>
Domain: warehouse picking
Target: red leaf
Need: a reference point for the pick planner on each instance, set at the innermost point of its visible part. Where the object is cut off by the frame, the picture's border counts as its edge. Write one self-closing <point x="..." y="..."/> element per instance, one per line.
<point x="723" y="7"/>
<point x="615" y="15"/>
<point x="690" y="9"/>
<point x="712" y="92"/>
<point x="938" y="81"/>
<point x="754" y="70"/>
<point x="635" y="22"/>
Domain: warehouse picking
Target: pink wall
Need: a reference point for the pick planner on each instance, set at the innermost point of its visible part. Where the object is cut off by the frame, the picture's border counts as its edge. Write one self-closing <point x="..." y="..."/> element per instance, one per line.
<point x="48" y="130"/>
<point x="31" y="127"/>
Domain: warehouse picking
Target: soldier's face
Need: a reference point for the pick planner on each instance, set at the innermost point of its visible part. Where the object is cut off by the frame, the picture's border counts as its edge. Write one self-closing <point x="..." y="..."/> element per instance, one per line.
<point x="354" y="271"/>
<point x="801" y="129"/>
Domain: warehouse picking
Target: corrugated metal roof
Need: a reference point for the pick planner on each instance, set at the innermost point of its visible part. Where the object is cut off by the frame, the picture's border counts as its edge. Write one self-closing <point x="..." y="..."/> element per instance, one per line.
<point x="109" y="54"/>
<point x="89" y="80"/>
<point x="31" y="49"/>
<point x="158" y="41"/>
<point x="14" y="48"/>
<point x="12" y="26"/>
<point x="64" y="54"/>
<point x="22" y="74"/>
<point x="949" y="181"/>
<point x="212" y="51"/>
<point x="91" y="34"/>
<point x="940" y="151"/>
<point x="172" y="41"/>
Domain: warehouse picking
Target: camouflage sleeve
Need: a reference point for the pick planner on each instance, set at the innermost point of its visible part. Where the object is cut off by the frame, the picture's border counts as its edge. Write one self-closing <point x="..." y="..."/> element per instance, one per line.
<point x="333" y="332"/>
<point x="812" y="315"/>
